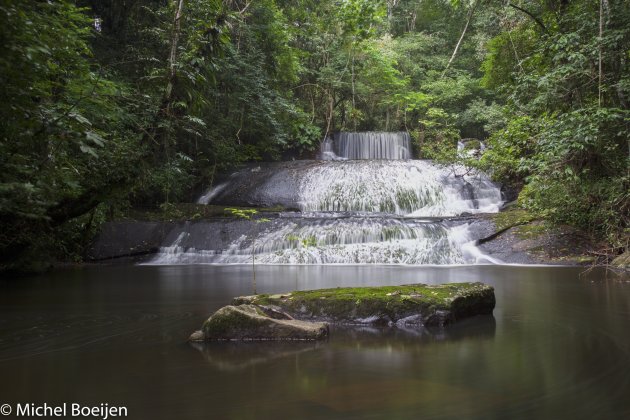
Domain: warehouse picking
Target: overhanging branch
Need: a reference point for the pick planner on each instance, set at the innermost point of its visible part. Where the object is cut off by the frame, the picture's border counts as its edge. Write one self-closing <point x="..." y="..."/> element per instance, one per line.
<point x="528" y="13"/>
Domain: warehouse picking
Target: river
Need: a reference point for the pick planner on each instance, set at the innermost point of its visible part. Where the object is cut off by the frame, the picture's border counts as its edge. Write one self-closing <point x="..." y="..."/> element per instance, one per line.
<point x="557" y="347"/>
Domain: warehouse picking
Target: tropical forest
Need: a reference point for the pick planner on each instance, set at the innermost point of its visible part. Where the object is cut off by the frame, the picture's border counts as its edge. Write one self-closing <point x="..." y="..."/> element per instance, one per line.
<point x="359" y="208"/>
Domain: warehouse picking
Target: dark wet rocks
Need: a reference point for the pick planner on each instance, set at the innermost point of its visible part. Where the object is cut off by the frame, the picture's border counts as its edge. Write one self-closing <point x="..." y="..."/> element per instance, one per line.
<point x="128" y="239"/>
<point x="519" y="238"/>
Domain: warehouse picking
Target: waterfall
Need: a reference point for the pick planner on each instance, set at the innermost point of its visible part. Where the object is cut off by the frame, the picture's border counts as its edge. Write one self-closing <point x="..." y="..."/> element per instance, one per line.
<point x="413" y="188"/>
<point x="364" y="202"/>
<point x="211" y="193"/>
<point x="402" y="187"/>
<point x="331" y="241"/>
<point x="327" y="151"/>
<point x="367" y="145"/>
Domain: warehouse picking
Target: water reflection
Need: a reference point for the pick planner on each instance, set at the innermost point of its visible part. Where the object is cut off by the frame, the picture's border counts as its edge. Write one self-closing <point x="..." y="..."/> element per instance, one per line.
<point x="230" y="356"/>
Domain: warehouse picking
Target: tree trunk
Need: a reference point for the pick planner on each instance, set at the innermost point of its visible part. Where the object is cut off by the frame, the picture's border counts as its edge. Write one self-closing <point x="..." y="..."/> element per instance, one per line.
<point x="329" y="116"/>
<point x="354" y="105"/>
<point x="599" y="64"/>
<point x="172" y="57"/>
<point x="461" y="38"/>
<point x="167" y="102"/>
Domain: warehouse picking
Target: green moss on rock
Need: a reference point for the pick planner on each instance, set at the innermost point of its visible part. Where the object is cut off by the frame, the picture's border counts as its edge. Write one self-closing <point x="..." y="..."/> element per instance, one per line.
<point x="533" y="230"/>
<point x="513" y="217"/>
<point x="417" y="304"/>
<point x="250" y="322"/>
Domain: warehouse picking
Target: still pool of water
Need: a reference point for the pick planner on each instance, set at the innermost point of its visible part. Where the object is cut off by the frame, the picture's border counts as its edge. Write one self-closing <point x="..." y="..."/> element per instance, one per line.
<point x="557" y="346"/>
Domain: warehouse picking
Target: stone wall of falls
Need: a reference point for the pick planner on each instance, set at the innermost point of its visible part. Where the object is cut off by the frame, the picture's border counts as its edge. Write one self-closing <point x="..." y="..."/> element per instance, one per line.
<point x="367" y="145"/>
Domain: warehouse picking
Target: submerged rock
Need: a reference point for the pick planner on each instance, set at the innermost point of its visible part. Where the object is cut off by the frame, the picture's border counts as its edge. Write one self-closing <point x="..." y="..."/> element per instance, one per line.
<point x="252" y="322"/>
<point x="416" y="304"/>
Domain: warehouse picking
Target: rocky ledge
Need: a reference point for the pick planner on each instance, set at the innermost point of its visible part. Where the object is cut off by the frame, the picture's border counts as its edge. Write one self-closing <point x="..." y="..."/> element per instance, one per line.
<point x="304" y="315"/>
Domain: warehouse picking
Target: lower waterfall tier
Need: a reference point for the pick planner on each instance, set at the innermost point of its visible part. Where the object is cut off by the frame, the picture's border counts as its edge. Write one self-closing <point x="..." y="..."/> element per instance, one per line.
<point x="352" y="240"/>
<point x="414" y="188"/>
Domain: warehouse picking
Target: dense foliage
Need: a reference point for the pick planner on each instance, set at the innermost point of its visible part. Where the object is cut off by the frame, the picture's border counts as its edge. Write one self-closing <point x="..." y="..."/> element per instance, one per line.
<point x="109" y="104"/>
<point x="565" y="82"/>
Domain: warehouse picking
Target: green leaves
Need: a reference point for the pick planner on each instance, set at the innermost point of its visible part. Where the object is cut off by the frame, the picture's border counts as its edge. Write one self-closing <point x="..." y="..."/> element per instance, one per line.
<point x="361" y="18"/>
<point x="247" y="214"/>
<point x="571" y="148"/>
<point x="70" y="131"/>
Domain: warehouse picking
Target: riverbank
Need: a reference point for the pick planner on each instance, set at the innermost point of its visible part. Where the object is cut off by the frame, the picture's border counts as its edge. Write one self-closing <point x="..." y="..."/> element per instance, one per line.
<point x="521" y="238"/>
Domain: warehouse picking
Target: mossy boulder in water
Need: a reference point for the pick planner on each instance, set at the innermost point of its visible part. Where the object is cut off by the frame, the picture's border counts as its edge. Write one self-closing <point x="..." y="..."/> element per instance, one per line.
<point x="416" y="304"/>
<point x="251" y="322"/>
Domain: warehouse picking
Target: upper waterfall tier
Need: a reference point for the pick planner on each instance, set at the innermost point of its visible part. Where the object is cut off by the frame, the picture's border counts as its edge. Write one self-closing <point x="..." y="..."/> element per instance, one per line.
<point x="367" y="145"/>
<point x="410" y="188"/>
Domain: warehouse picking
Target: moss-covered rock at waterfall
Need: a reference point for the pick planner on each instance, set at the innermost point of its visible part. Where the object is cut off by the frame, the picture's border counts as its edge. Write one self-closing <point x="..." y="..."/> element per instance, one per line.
<point x="417" y="304"/>
<point x="515" y="216"/>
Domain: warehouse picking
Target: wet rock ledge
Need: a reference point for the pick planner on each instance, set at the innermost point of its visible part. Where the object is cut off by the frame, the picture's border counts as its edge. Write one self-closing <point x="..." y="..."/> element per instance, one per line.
<point x="304" y="315"/>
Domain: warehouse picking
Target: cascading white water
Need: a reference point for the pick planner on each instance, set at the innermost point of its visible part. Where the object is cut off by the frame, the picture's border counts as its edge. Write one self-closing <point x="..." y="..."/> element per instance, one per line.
<point x="327" y="152"/>
<point x="367" y="145"/>
<point x="415" y="188"/>
<point x="359" y="206"/>
<point x="335" y="241"/>
<point x="402" y="187"/>
<point x="363" y="243"/>
<point x="211" y="193"/>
